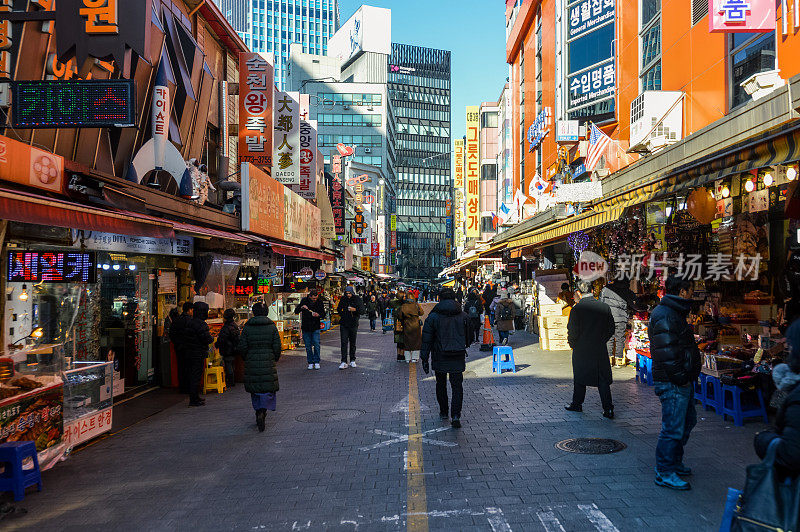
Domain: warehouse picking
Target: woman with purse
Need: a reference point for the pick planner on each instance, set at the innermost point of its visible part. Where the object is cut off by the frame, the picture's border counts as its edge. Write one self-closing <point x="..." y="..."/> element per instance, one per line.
<point x="410" y="316"/>
<point x="394" y="305"/>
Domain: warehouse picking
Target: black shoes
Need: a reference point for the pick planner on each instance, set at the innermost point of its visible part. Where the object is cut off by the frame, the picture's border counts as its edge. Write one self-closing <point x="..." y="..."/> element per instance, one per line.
<point x="444" y="415"/>
<point x="456" y="422"/>
<point x="608" y="413"/>
<point x="199" y="402"/>
<point x="574" y="408"/>
<point x="261" y="415"/>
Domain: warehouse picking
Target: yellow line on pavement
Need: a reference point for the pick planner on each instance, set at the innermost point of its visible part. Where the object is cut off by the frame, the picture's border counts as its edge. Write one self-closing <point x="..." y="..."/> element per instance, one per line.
<point x="416" y="500"/>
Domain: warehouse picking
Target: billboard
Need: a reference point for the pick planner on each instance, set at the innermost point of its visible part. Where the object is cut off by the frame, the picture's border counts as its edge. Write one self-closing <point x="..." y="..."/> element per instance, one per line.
<point x="732" y="16"/>
<point x="307" y="188"/>
<point x="262" y="203"/>
<point x="256" y="91"/>
<point x="286" y="157"/>
<point x="368" y="30"/>
<point x="458" y="193"/>
<point x="472" y="175"/>
<point x="337" y="192"/>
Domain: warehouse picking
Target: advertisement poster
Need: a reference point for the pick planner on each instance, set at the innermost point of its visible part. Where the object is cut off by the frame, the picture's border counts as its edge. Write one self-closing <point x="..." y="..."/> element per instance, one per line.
<point x="472" y="174"/>
<point x="256" y="91"/>
<point x="37" y="417"/>
<point x="458" y="188"/>
<point x="262" y="203"/>
<point x="337" y="192"/>
<point x="286" y="156"/>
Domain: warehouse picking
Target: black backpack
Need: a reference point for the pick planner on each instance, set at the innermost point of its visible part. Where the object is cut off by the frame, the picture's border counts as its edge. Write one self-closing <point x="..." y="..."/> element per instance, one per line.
<point x="506" y="312"/>
<point x="473" y="311"/>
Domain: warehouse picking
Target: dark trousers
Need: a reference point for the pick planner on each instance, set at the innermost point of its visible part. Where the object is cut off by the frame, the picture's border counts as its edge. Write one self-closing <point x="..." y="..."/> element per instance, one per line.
<point x="579" y="394"/>
<point x="457" y="384"/>
<point x="195" y="378"/>
<point x="183" y="372"/>
<point x="475" y="330"/>
<point x="348" y="342"/>
<point x="230" y="378"/>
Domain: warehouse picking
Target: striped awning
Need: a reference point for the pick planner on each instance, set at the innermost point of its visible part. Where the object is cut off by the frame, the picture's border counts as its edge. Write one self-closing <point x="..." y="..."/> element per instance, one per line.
<point x="494" y="250"/>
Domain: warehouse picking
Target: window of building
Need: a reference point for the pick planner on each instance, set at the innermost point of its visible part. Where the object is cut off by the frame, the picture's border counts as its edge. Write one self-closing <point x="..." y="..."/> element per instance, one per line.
<point x="749" y="53"/>
<point x="488" y="171"/>
<point x="650" y="40"/>
<point x="332" y="119"/>
<point x="489" y="119"/>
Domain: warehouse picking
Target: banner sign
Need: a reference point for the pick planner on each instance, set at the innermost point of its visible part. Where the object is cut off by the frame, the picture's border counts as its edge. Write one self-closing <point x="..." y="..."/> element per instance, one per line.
<point x="592" y="86"/>
<point x="36" y="416"/>
<point x="256" y="91"/>
<point x="180" y="246"/>
<point x="539" y="129"/>
<point x="337" y="193"/>
<point x="472" y="174"/>
<point x="308" y="165"/>
<point x="578" y="192"/>
<point x="262" y="203"/>
<point x="731" y="16"/>
<point x="286" y="157"/>
<point x="327" y="226"/>
<point x="458" y="192"/>
<point x="30" y="166"/>
<point x="301" y="223"/>
<point x="376" y="249"/>
<point x="589" y="14"/>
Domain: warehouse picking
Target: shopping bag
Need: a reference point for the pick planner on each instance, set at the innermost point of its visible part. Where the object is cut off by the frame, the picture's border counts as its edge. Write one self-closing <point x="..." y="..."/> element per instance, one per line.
<point x="768" y="502"/>
<point x="388" y="322"/>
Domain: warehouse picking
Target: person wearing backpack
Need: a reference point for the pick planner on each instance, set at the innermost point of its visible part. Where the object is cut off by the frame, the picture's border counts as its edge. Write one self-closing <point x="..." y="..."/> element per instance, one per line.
<point x="472" y="308"/>
<point x="503" y="310"/>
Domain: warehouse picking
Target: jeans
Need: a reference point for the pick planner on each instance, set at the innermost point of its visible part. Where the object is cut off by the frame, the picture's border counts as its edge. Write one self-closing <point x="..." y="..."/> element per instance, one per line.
<point x="579" y="394"/>
<point x="616" y="345"/>
<point x="372" y="323"/>
<point x="503" y="335"/>
<point x="678" y="417"/>
<point x="457" y="384"/>
<point x="311" y="339"/>
<point x="230" y="377"/>
<point x="348" y="342"/>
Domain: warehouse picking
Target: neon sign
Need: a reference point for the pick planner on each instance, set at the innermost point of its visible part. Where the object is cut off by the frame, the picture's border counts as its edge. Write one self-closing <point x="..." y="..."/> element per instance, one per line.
<point x="74" y="103"/>
<point x="51" y="267"/>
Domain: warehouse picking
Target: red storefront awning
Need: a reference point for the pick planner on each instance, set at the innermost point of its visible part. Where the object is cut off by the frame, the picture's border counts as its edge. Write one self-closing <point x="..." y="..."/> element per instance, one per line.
<point x="29" y="208"/>
<point x="303" y="253"/>
<point x="205" y="232"/>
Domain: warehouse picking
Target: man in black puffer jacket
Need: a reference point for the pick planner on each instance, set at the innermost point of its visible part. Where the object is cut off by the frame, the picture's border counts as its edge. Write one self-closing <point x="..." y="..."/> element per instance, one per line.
<point x="676" y="365"/>
<point x="196" y="339"/>
<point x="445" y="338"/>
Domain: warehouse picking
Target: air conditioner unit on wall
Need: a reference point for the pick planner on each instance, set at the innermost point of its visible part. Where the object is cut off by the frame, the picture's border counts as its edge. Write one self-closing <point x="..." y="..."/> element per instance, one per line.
<point x="650" y="113"/>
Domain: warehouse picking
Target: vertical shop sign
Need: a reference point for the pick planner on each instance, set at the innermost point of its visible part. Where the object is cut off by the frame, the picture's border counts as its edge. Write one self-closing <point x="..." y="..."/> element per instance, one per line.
<point x="327" y="226"/>
<point x="471" y="175"/>
<point x="337" y="193"/>
<point x="286" y="157"/>
<point x="307" y="188"/>
<point x="458" y="196"/>
<point x="256" y="91"/>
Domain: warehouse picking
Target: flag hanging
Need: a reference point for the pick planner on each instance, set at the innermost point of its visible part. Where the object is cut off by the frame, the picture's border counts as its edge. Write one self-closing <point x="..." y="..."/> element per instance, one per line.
<point x="598" y="143"/>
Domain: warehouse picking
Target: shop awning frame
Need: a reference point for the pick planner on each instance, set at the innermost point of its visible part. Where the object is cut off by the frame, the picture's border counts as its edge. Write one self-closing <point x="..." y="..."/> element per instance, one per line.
<point x="302" y="253"/>
<point x="208" y="233"/>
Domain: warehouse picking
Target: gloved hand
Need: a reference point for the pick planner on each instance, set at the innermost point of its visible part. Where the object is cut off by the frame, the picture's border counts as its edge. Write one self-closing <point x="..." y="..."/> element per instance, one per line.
<point x="425" y="367"/>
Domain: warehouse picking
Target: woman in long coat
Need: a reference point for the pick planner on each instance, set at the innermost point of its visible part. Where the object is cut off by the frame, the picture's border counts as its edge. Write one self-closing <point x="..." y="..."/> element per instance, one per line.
<point x="410" y="315"/>
<point x="260" y="347"/>
<point x="394" y="305"/>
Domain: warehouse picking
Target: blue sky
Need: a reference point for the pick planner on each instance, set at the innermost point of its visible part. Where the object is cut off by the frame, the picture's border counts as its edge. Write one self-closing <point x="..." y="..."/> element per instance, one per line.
<point x="473" y="30"/>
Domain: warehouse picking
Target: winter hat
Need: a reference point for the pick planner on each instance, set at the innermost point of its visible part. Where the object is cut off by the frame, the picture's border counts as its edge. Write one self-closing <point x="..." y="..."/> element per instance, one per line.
<point x="447" y="293"/>
<point x="350" y="289"/>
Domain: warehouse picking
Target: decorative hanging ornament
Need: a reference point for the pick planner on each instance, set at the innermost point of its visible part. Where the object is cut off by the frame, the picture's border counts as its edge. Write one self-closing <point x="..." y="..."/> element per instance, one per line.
<point x="702" y="206"/>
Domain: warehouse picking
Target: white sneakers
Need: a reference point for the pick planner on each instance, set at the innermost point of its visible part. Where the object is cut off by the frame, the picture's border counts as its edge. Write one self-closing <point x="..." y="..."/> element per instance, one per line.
<point x="311" y="366"/>
<point x="343" y="365"/>
<point x="316" y="366"/>
<point x="353" y="364"/>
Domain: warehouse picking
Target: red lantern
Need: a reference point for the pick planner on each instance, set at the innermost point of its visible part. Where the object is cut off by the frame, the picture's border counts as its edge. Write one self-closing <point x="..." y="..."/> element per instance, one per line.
<point x="702" y="205"/>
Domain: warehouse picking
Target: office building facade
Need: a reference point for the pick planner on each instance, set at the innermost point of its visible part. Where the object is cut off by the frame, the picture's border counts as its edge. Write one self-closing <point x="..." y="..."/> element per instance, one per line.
<point x="419" y="92"/>
<point x="273" y="25"/>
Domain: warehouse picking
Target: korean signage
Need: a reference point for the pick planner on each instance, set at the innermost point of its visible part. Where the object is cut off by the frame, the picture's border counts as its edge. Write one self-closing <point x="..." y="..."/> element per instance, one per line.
<point x="567" y="131"/>
<point x="591" y="71"/>
<point x="181" y="246"/>
<point x="375" y="249"/>
<point x="472" y="174"/>
<point x="458" y="192"/>
<point x="308" y="160"/>
<point x="337" y="192"/>
<point x="262" y="203"/>
<point x="594" y="85"/>
<point x="286" y="157"/>
<point x="85" y="428"/>
<point x="256" y="93"/>
<point x="742" y="15"/>
<point x="327" y="226"/>
<point x="30" y="166"/>
<point x="365" y="264"/>
<point x="539" y="129"/>
<point x="301" y="220"/>
<point x="587" y="15"/>
<point x="36" y="416"/>
<point x="73" y="104"/>
<point x="578" y="192"/>
<point x="51" y="267"/>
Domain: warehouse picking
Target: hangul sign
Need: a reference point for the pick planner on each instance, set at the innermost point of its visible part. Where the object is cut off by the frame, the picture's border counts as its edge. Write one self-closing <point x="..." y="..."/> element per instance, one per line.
<point x="102" y="16"/>
<point x="308" y="166"/>
<point x="85" y="428"/>
<point x="458" y="180"/>
<point x="539" y="129"/>
<point x="730" y="16"/>
<point x="256" y="93"/>
<point x="51" y="267"/>
<point x="337" y="193"/>
<point x="375" y="249"/>
<point x="286" y="157"/>
<point x="593" y="85"/>
<point x="471" y="173"/>
<point x="589" y="14"/>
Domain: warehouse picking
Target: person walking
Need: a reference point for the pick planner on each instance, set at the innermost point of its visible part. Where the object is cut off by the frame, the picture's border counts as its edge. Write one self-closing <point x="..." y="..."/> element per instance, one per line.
<point x="489" y="293"/>
<point x="176" y="335"/>
<point x="196" y="339"/>
<point x="503" y="309"/>
<point x="589" y="327"/>
<point x="519" y="308"/>
<point x="373" y="311"/>
<point x="350" y="310"/>
<point x="445" y="341"/>
<point x="612" y="295"/>
<point x="227" y="340"/>
<point x="676" y="366"/>
<point x="383" y="305"/>
<point x="260" y="347"/>
<point x="410" y="316"/>
<point x="394" y="305"/>
<point x="473" y="308"/>
<point x="312" y="311"/>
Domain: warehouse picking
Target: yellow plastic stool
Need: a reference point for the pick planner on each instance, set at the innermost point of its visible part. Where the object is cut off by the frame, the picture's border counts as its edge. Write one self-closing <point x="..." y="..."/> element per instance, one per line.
<point x="218" y="384"/>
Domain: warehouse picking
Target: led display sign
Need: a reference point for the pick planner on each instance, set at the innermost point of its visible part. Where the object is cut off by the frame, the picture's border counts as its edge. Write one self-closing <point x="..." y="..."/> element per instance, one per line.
<point x="73" y="103"/>
<point x="51" y="267"/>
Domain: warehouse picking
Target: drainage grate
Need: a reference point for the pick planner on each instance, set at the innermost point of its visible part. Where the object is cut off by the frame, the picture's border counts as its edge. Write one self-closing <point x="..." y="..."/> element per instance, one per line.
<point x="330" y="416"/>
<point x="590" y="446"/>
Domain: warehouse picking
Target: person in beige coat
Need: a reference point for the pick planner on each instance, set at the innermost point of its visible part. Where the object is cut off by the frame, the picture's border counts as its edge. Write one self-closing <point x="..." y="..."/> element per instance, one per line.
<point x="410" y="315"/>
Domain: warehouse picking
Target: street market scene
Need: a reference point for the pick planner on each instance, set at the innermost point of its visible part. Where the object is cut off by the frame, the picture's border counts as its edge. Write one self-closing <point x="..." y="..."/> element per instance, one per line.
<point x="325" y="265"/>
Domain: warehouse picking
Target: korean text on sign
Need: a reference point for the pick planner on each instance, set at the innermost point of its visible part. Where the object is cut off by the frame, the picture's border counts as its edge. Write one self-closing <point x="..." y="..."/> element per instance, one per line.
<point x="255" y="110"/>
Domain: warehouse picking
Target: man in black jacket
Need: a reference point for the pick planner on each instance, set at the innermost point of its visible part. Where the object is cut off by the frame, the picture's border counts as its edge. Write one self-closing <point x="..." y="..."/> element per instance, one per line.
<point x="473" y="308"/>
<point x="445" y="339"/>
<point x="176" y="335"/>
<point x="196" y="339"/>
<point x="311" y="309"/>
<point x="350" y="310"/>
<point x="676" y="365"/>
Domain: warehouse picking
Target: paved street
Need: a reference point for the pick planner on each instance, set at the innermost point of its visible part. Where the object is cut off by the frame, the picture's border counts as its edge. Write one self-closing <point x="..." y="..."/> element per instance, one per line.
<point x="351" y="450"/>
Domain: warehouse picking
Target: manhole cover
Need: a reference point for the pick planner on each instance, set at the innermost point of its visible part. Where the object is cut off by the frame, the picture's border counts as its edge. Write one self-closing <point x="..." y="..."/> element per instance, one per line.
<point x="330" y="416"/>
<point x="590" y="446"/>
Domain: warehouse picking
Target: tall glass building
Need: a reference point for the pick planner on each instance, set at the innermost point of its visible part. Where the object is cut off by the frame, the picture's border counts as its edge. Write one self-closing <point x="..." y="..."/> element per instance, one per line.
<point x="419" y="91"/>
<point x="272" y="25"/>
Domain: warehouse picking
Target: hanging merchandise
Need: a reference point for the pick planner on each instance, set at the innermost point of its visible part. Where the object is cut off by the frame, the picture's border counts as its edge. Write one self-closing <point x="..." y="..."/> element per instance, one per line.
<point x="702" y="205"/>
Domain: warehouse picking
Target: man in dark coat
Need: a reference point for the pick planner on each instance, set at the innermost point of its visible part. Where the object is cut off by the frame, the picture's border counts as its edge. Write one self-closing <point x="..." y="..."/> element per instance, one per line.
<point x="676" y="366"/>
<point x="473" y="308"/>
<point x="589" y="327"/>
<point x="176" y="335"/>
<point x="227" y="340"/>
<point x="445" y="340"/>
<point x="196" y="339"/>
<point x="350" y="309"/>
<point x="312" y="310"/>
<point x="489" y="293"/>
<point x="260" y="347"/>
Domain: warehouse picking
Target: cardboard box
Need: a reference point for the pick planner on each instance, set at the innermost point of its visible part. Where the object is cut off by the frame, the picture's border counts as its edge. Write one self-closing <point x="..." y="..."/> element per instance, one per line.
<point x="543" y="343"/>
<point x="555" y="334"/>
<point x="559" y="345"/>
<point x="554" y="322"/>
<point x="551" y="310"/>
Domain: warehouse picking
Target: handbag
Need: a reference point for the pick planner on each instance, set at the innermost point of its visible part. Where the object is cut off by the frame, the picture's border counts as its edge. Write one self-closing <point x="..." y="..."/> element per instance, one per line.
<point x="768" y="502"/>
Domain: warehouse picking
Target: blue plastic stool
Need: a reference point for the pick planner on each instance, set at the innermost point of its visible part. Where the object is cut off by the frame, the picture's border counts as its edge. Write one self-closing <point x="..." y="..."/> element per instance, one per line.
<point x="498" y="364"/>
<point x="14" y="478"/>
<point x="739" y="411"/>
<point x="713" y="395"/>
<point x="700" y="389"/>
<point x="644" y="370"/>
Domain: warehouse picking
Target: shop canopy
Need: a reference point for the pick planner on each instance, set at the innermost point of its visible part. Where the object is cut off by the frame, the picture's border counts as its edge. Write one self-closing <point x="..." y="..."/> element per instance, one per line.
<point x="208" y="233"/>
<point x="292" y="251"/>
<point x="23" y="207"/>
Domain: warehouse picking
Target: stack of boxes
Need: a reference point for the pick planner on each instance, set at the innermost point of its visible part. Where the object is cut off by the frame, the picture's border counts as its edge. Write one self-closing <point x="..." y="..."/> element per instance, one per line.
<point x="553" y="328"/>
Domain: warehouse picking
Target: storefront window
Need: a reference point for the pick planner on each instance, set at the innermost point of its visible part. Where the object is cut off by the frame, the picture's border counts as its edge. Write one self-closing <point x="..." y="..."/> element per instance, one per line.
<point x="749" y="53"/>
<point x="650" y="38"/>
